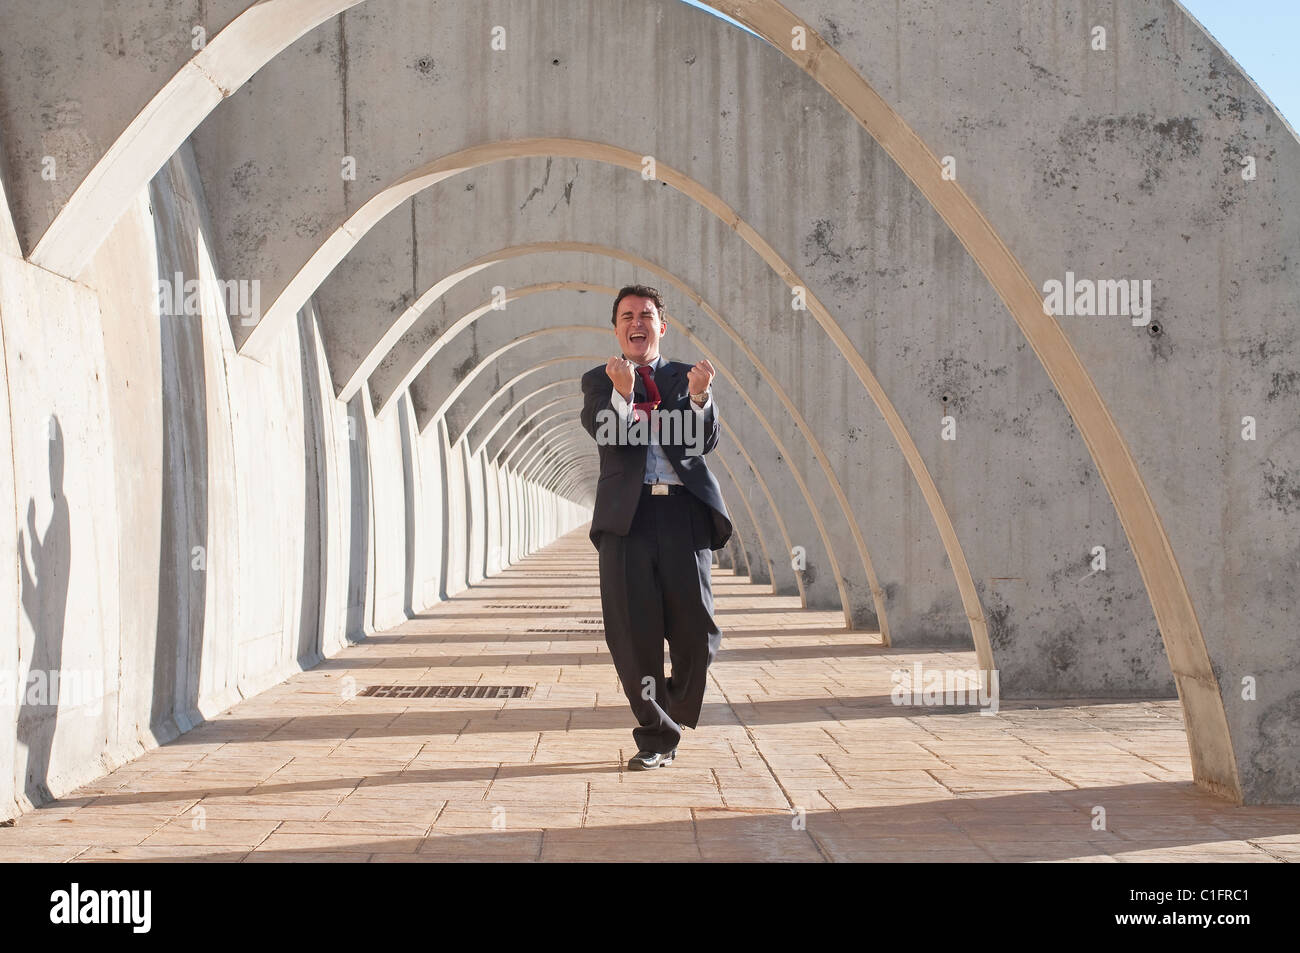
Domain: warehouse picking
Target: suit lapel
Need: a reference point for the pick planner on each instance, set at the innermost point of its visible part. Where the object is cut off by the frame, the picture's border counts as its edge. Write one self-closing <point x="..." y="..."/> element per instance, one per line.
<point x="666" y="379"/>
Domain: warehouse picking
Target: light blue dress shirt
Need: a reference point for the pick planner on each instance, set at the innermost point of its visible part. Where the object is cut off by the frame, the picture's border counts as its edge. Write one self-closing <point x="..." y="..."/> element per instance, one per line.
<point x="658" y="468"/>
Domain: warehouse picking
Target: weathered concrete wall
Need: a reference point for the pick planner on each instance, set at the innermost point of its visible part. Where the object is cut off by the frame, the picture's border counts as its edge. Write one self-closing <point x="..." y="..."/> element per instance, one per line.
<point x="1136" y="154"/>
<point x="816" y="168"/>
<point x="847" y="220"/>
<point x="67" y="613"/>
<point x="188" y="519"/>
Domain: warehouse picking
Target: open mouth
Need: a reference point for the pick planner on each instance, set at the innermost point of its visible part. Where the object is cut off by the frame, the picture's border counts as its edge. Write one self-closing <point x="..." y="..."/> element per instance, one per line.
<point x="637" y="336"/>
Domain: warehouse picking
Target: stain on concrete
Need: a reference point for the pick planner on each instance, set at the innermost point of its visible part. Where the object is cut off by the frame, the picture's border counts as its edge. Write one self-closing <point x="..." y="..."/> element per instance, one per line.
<point x="1045" y="77"/>
<point x="1273" y="771"/>
<point x="1284" y="384"/>
<point x="1282" y="487"/>
<point x="1153" y="144"/>
<point x="242" y="179"/>
<point x="538" y="189"/>
<point x="464" y="367"/>
<point x="819" y="241"/>
<point x="1159" y="340"/>
<point x="1002" y="630"/>
<point x="567" y="195"/>
<point x="954" y="381"/>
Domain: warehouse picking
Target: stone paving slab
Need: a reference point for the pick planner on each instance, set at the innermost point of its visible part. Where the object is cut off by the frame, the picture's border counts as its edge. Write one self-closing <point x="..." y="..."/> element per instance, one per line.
<point x="801" y="756"/>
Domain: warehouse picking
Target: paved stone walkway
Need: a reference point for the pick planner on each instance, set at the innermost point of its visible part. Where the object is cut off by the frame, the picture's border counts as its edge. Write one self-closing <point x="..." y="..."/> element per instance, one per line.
<point x="801" y="756"/>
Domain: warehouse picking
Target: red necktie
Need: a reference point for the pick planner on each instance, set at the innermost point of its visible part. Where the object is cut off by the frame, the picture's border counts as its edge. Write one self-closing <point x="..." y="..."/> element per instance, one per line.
<point x="651" y="390"/>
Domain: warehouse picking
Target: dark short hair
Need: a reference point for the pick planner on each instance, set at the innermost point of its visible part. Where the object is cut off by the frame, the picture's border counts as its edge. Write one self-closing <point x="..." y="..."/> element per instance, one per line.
<point x="637" y="291"/>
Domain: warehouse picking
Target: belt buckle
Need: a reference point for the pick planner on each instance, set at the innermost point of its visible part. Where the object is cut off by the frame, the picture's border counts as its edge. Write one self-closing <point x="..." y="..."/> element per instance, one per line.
<point x="658" y="489"/>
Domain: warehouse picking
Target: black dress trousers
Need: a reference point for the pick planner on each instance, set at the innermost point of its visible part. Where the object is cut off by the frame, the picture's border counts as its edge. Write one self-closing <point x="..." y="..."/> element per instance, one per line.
<point x="655" y="585"/>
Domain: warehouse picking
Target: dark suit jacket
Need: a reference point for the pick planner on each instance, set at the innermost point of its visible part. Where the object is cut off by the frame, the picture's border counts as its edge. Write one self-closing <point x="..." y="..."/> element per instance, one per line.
<point x="622" y="466"/>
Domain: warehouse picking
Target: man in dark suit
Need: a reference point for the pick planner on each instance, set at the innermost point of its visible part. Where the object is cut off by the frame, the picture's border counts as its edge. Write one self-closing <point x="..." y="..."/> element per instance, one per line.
<point x="658" y="515"/>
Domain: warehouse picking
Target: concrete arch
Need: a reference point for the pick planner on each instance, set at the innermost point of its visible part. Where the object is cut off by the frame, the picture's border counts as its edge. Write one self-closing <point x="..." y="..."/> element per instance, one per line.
<point x="509" y="438"/>
<point x="1045" y="588"/>
<point x="563" y="473"/>
<point x="554" y="469"/>
<point x="1205" y="724"/>
<point x="540" y="452"/>
<point x="1198" y="688"/>
<point x="224" y="65"/>
<point x="760" y="571"/>
<point x="930" y="499"/>
<point x="967" y="601"/>
<point x="540" y="419"/>
<point x="555" y="461"/>
<point x="775" y="11"/>
<point x="336" y="246"/>
<point x="802" y="426"/>
<point x="380" y="205"/>
<point x="1170" y="598"/>
<point x="436" y="405"/>
<point x="408" y="367"/>
<point x="553" y="338"/>
<point x="784" y="579"/>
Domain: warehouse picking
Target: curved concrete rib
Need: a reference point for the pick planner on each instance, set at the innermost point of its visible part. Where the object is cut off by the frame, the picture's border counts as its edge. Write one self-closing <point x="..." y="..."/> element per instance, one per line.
<point x="542" y="434"/>
<point x="483" y="446"/>
<point x="556" y="463"/>
<point x="191" y="95"/>
<point x="817" y="517"/>
<point x="784" y="579"/>
<point x="538" y="418"/>
<point x="560" y="459"/>
<point x="568" y="469"/>
<point x="957" y="568"/>
<point x="225" y="64"/>
<point x="337" y="245"/>
<point x="791" y="407"/>
<point x="535" y="452"/>
<point x="808" y="592"/>
<point x="1172" y="604"/>
<point x="1214" y="766"/>
<point x="759" y="571"/>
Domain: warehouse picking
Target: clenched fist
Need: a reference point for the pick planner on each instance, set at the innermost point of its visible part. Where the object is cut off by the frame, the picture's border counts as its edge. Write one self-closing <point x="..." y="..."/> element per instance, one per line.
<point x="699" y="377"/>
<point x="619" y="370"/>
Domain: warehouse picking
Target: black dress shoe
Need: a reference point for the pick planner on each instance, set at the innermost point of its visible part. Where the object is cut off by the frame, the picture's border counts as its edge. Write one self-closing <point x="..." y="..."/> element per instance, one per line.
<point x="645" y="760"/>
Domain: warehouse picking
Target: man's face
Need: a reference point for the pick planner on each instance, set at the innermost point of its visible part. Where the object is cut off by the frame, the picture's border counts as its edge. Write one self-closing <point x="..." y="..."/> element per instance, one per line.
<point x="638" y="328"/>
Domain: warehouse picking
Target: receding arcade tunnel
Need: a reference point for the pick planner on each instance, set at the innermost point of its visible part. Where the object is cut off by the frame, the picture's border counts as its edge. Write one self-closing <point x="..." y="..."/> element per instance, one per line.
<point x="311" y="312"/>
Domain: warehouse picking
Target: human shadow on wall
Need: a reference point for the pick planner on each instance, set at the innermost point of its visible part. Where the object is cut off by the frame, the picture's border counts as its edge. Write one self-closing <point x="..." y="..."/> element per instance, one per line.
<point x="45" y="601"/>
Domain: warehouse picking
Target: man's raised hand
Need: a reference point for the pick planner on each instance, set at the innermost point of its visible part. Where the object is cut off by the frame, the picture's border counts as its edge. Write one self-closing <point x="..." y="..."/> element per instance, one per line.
<point x="619" y="370"/>
<point x="699" y="378"/>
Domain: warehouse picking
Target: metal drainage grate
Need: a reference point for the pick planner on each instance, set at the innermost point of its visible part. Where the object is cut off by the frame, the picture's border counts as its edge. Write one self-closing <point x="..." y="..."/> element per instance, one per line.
<point x="528" y="605"/>
<point x="568" y="631"/>
<point x="447" y="691"/>
<point x="590" y="621"/>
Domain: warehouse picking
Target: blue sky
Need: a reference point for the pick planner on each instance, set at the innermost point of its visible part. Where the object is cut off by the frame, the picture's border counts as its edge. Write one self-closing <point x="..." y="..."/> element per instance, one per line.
<point x="1263" y="36"/>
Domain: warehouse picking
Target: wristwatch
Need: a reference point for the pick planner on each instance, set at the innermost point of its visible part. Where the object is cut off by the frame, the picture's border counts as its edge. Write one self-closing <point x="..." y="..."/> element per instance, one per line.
<point x="700" y="399"/>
